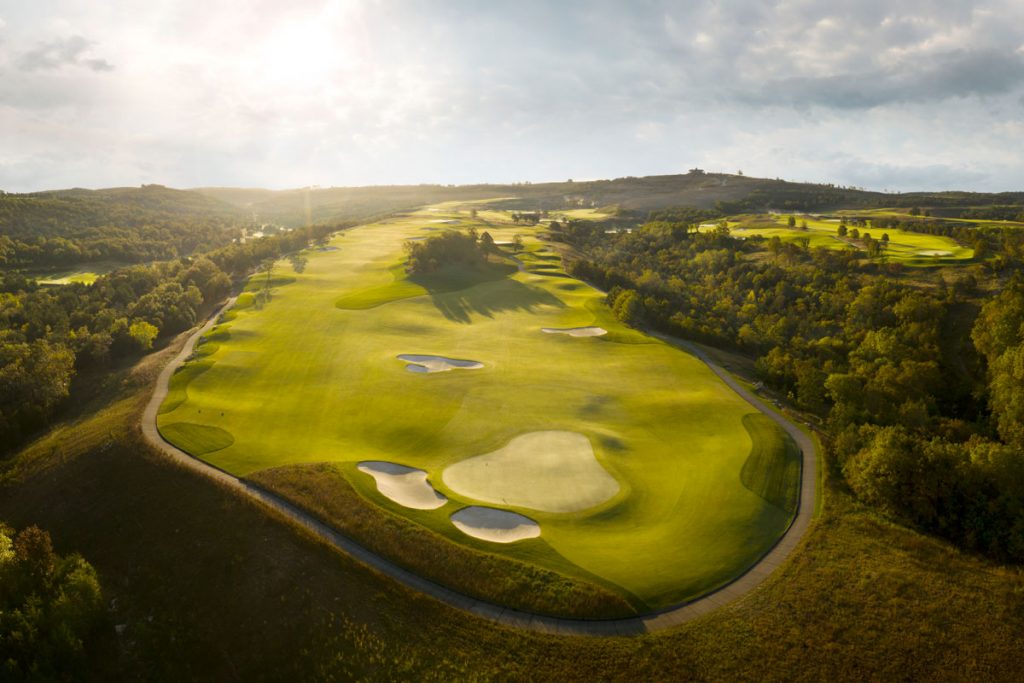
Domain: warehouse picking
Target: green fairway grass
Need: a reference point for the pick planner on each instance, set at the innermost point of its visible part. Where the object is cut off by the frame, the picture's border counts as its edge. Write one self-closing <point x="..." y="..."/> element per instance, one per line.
<point x="908" y="248"/>
<point x="772" y="469"/>
<point x="197" y="438"/>
<point x="313" y="377"/>
<point x="84" y="274"/>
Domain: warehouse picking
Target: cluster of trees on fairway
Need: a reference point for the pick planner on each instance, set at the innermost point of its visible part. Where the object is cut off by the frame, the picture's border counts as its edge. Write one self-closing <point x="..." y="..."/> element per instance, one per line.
<point x="924" y="415"/>
<point x="447" y="249"/>
<point x="48" y="335"/>
<point x="528" y="217"/>
<point x="51" y="609"/>
<point x="130" y="224"/>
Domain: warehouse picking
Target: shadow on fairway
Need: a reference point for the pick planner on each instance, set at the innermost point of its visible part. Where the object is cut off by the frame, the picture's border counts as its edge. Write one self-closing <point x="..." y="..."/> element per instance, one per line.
<point x="489" y="298"/>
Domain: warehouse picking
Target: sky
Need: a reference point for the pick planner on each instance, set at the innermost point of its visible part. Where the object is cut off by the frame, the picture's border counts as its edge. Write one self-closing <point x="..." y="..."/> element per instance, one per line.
<point x="885" y="94"/>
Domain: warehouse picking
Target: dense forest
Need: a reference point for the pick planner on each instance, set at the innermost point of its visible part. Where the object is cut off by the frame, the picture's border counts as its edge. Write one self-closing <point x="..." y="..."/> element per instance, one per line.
<point x="133" y="225"/>
<point x="918" y="380"/>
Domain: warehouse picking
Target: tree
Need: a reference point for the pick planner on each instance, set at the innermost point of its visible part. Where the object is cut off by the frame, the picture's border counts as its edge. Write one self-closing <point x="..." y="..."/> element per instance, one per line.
<point x="142" y="334"/>
<point x="487" y="242"/>
<point x="517" y="241"/>
<point x="51" y="609"/>
<point x="841" y="231"/>
<point x="791" y="221"/>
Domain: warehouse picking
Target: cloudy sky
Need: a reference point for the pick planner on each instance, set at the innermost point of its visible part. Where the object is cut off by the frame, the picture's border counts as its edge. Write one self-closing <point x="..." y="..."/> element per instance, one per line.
<point x="885" y="94"/>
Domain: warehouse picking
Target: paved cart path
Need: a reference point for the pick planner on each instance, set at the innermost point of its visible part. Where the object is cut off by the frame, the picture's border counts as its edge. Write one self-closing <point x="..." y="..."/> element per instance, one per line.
<point x="666" y="618"/>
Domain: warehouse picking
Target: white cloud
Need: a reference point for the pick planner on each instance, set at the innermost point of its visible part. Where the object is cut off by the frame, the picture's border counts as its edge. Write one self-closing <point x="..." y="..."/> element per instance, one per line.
<point x="356" y="92"/>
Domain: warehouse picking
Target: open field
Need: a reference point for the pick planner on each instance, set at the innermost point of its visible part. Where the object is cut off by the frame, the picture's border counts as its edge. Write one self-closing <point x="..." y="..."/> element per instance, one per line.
<point x="84" y="274"/>
<point x="314" y="377"/>
<point x="908" y="248"/>
<point x="905" y="214"/>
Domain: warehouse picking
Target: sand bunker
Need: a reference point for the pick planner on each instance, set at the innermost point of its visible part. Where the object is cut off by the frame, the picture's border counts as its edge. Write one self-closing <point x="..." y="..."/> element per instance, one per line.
<point x="405" y="485"/>
<point x="934" y="252"/>
<point x="499" y="526"/>
<point x="449" y="221"/>
<point x="419" y="363"/>
<point x="576" y="331"/>
<point x="553" y="471"/>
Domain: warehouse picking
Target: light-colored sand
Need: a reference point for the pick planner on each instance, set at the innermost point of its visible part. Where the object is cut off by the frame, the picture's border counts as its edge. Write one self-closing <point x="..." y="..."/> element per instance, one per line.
<point x="934" y="252"/>
<point x="448" y="221"/>
<point x="576" y="331"/>
<point x="405" y="485"/>
<point x="427" y="364"/>
<point x="499" y="526"/>
<point x="553" y="471"/>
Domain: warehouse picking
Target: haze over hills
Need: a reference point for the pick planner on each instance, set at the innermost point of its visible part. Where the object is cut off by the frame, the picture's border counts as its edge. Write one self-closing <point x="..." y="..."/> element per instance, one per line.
<point x="730" y="193"/>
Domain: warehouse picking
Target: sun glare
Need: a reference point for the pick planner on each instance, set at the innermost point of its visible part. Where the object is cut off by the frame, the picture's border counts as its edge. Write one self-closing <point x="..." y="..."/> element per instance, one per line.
<point x="305" y="53"/>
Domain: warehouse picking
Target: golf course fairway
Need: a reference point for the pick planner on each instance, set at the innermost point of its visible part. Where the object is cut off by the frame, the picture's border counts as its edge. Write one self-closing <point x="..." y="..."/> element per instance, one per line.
<point x="686" y="485"/>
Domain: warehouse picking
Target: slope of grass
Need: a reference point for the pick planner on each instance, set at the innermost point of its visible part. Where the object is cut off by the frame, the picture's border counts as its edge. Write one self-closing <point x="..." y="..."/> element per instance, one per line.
<point x="772" y="469"/>
<point x="177" y="388"/>
<point x="303" y="381"/>
<point x="324" y="490"/>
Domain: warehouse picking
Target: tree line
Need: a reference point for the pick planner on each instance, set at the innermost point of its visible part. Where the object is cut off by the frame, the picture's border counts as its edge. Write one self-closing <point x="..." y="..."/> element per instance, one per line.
<point x="49" y="335"/>
<point x="920" y="387"/>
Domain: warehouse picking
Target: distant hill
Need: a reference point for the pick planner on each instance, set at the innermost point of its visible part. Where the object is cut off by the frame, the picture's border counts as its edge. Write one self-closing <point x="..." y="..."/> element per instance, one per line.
<point x="133" y="224"/>
<point x="123" y="224"/>
<point x="727" y="193"/>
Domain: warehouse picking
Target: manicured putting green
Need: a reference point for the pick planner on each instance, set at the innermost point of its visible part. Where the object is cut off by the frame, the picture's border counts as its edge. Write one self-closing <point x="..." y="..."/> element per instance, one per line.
<point x="313" y="377"/>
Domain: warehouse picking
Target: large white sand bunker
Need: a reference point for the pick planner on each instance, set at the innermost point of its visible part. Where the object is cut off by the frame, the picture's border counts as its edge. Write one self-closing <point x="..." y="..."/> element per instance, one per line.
<point x="420" y="363"/>
<point x="576" y="331"/>
<point x="445" y="221"/>
<point x="553" y="471"/>
<point x="405" y="485"/>
<point x="934" y="252"/>
<point x="499" y="526"/>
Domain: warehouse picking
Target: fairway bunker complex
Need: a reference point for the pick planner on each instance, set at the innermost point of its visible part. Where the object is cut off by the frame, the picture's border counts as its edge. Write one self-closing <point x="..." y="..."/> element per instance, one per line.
<point x="406" y="486"/>
<point x="576" y="331"/>
<point x="498" y="526"/>
<point x="429" y="364"/>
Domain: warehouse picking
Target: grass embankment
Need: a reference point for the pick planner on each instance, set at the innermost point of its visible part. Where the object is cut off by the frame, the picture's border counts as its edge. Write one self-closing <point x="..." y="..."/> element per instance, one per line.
<point x="325" y="491"/>
<point x="211" y="587"/>
<point x="772" y="469"/>
<point x="303" y="381"/>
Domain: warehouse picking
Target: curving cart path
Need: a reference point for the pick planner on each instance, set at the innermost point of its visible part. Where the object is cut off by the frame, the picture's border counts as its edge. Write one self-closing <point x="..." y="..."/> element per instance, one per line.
<point x="666" y="618"/>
